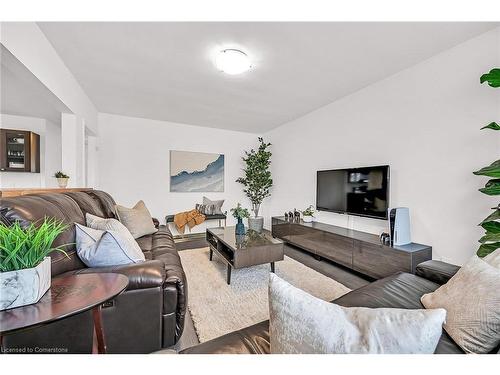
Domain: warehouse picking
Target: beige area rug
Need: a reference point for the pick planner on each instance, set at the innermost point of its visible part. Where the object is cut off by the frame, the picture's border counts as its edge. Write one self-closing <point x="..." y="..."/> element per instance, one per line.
<point x="218" y="308"/>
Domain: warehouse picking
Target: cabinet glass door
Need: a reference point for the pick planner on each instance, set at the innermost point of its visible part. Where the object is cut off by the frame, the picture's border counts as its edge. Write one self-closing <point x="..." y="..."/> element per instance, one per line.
<point x="16" y="150"/>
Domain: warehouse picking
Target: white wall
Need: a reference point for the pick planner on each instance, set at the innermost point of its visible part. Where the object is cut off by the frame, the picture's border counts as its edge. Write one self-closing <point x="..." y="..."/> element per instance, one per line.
<point x="134" y="162"/>
<point x="30" y="46"/>
<point x="50" y="152"/>
<point x="424" y="122"/>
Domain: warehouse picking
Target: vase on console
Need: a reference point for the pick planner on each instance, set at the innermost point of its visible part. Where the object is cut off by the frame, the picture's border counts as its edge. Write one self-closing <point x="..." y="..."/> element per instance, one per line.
<point x="240" y="227"/>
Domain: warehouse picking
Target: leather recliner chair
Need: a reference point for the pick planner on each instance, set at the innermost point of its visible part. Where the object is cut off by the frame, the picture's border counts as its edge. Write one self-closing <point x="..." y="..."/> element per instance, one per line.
<point x="148" y="316"/>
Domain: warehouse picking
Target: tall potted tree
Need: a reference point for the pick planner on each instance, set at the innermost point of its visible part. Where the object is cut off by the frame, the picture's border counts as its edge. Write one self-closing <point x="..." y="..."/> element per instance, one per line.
<point x="491" y="239"/>
<point x="257" y="180"/>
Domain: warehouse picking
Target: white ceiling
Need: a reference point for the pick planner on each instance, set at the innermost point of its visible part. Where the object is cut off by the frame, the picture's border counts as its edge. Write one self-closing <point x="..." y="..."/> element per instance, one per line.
<point x="23" y="94"/>
<point x="165" y="70"/>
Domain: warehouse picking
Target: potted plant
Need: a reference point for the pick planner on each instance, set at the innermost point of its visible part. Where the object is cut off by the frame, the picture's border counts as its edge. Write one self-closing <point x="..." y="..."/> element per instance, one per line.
<point x="308" y="214"/>
<point x="24" y="262"/>
<point x="62" y="179"/>
<point x="239" y="213"/>
<point x="257" y="181"/>
<point x="491" y="239"/>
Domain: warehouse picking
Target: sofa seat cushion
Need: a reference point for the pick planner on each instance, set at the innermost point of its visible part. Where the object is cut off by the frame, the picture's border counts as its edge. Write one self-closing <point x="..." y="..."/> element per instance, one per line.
<point x="401" y="290"/>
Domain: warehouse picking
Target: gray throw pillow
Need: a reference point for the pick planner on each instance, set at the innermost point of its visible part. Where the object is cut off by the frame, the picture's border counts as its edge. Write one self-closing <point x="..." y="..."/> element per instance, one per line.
<point x="217" y="205"/>
<point x="137" y="219"/>
<point x="104" y="248"/>
<point x="472" y="300"/>
<point x="300" y="323"/>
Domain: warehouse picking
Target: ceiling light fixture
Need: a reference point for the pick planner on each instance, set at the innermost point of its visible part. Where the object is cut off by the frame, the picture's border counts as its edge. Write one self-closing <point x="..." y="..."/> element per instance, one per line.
<point x="232" y="61"/>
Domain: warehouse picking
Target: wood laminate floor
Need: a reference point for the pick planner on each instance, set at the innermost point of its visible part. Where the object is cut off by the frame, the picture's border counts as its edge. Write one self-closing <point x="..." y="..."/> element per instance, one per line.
<point x="341" y="274"/>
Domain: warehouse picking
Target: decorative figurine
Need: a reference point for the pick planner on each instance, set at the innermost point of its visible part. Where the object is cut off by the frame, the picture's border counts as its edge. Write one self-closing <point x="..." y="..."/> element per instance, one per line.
<point x="296" y="215"/>
<point x="290" y="215"/>
<point x="286" y="215"/>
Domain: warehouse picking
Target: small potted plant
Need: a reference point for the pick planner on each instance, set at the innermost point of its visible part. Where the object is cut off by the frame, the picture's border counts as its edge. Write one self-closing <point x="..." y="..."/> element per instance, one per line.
<point x="24" y="262"/>
<point x="62" y="179"/>
<point x="239" y="213"/>
<point x="308" y="214"/>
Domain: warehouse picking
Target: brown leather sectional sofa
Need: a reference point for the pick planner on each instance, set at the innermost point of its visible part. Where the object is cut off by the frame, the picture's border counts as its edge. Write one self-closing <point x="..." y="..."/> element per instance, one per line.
<point x="401" y="290"/>
<point x="148" y="316"/>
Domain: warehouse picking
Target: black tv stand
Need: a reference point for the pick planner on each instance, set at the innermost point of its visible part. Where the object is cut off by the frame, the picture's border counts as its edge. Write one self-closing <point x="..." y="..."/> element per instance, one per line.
<point x="356" y="250"/>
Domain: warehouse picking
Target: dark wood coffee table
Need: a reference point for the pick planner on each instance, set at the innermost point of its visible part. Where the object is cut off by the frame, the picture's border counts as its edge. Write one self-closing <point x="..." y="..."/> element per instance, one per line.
<point x="67" y="296"/>
<point x="246" y="250"/>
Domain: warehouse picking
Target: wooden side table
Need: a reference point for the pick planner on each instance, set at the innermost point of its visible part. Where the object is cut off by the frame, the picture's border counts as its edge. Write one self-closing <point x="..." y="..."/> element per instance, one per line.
<point x="67" y="296"/>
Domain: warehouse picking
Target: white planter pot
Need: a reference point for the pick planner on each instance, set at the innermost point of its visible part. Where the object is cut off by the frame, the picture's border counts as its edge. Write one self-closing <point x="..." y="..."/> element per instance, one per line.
<point x="24" y="287"/>
<point x="307" y="219"/>
<point x="62" y="182"/>
<point x="256" y="223"/>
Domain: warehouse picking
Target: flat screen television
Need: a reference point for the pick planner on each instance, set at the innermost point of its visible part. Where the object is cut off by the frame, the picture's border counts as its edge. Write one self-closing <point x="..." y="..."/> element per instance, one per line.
<point x="354" y="191"/>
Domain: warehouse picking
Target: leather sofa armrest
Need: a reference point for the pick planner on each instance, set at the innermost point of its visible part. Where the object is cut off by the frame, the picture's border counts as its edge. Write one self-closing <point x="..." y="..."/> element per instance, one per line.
<point x="143" y="275"/>
<point x="436" y="271"/>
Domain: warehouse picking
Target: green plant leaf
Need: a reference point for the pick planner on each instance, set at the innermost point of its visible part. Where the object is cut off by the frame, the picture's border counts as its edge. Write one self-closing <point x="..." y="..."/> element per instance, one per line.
<point x="491" y="226"/>
<point x="493" y="217"/>
<point x="25" y="247"/>
<point x="492" y="187"/>
<point x="490" y="237"/>
<point x="493" y="170"/>
<point x="493" y="77"/>
<point x="492" y="126"/>
<point x="486" y="249"/>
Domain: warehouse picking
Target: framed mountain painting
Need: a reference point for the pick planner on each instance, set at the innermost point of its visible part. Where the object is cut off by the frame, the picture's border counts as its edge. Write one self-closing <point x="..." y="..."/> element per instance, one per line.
<point x="196" y="172"/>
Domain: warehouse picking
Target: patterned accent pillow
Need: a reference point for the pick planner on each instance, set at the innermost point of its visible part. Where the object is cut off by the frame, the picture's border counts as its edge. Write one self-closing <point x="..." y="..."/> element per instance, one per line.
<point x="472" y="300"/>
<point x="205" y="209"/>
<point x="217" y="205"/>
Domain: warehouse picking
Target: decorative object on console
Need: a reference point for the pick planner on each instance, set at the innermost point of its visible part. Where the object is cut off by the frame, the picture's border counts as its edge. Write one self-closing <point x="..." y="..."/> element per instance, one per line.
<point x="25" y="267"/>
<point x="106" y="247"/>
<point x="301" y="323"/>
<point x="137" y="219"/>
<point x="196" y="172"/>
<point x="491" y="240"/>
<point x="240" y="213"/>
<point x="472" y="300"/>
<point x="257" y="180"/>
<point x="296" y="215"/>
<point x="385" y="239"/>
<point x="62" y="179"/>
<point x="399" y="223"/>
<point x="308" y="214"/>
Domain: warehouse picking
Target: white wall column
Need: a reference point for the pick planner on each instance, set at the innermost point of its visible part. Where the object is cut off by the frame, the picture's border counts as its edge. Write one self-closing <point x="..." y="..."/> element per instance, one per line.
<point x="92" y="161"/>
<point x="73" y="149"/>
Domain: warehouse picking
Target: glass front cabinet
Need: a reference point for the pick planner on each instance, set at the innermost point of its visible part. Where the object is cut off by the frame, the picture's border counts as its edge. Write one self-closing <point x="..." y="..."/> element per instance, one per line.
<point x="19" y="151"/>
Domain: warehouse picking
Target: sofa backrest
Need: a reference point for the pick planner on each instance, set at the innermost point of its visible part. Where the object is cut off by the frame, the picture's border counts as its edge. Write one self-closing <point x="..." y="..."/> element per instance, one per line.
<point x="70" y="208"/>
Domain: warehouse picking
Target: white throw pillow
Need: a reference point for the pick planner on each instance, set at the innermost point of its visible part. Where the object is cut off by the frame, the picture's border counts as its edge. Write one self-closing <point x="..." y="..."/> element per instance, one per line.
<point x="103" y="248"/>
<point x="493" y="258"/>
<point x="301" y="323"/>
<point x="137" y="219"/>
<point x="472" y="301"/>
